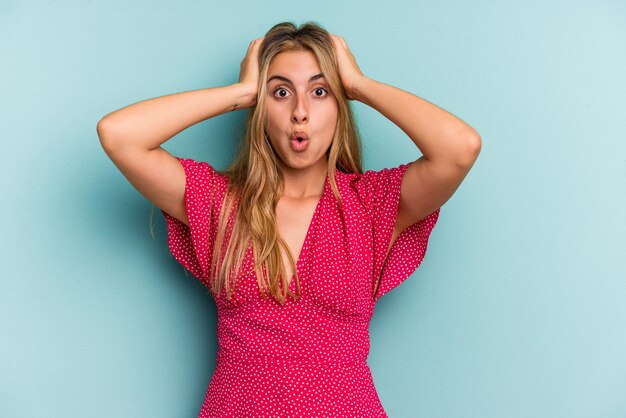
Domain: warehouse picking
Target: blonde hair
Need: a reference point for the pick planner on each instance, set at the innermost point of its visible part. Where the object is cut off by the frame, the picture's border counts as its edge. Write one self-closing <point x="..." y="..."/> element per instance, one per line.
<point x="256" y="183"/>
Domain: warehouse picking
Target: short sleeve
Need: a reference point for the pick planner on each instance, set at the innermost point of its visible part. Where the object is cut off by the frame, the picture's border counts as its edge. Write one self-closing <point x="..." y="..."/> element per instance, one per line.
<point x="379" y="192"/>
<point x="192" y="246"/>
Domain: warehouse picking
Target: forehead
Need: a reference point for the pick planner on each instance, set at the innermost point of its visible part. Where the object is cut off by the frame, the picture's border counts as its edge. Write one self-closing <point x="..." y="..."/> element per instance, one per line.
<point x="297" y="66"/>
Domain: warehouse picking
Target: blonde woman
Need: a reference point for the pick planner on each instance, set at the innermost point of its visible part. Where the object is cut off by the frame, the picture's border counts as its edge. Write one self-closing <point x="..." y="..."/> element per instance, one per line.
<point x="295" y="242"/>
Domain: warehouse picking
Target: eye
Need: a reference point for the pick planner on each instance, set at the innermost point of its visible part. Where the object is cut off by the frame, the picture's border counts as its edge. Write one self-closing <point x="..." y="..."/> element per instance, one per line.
<point x="322" y="92"/>
<point x="280" y="95"/>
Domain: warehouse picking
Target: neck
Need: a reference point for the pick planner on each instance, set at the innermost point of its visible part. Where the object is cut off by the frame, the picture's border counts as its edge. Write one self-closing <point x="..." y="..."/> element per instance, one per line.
<point x="304" y="182"/>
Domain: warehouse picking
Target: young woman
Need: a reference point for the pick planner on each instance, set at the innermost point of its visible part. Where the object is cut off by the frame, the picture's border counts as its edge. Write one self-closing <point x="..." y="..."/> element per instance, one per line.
<point x="294" y="241"/>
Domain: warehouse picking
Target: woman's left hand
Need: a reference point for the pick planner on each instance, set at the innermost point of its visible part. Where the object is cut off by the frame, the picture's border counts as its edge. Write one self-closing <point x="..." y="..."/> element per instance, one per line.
<point x="349" y="71"/>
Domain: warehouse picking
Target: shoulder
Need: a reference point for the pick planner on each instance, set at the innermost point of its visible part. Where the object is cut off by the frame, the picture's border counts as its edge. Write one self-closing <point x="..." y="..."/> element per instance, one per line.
<point x="373" y="176"/>
<point x="201" y="173"/>
<point x="373" y="183"/>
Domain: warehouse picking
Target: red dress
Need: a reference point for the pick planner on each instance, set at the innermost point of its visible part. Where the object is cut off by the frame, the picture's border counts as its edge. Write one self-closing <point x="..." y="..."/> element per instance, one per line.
<point x="308" y="357"/>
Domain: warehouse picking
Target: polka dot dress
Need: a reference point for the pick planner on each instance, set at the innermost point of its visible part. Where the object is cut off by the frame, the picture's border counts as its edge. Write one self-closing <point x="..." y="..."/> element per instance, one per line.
<point x="307" y="358"/>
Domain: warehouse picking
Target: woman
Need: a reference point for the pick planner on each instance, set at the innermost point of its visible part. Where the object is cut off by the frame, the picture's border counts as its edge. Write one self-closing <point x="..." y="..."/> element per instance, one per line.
<point x="294" y="241"/>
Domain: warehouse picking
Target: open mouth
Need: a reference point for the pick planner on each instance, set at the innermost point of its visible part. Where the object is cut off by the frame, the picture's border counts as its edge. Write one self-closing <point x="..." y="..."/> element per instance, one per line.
<point x="299" y="142"/>
<point x="299" y="136"/>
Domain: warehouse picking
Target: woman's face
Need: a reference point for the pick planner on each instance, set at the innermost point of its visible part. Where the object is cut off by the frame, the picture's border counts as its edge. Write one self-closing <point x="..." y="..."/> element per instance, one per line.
<point x="299" y="101"/>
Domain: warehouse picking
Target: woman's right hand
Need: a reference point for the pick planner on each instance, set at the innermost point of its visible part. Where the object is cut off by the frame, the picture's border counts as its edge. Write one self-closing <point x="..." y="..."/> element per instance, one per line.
<point x="249" y="72"/>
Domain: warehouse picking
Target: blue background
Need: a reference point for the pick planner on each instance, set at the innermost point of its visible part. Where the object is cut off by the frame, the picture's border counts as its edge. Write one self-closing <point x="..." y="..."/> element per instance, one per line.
<point x="519" y="307"/>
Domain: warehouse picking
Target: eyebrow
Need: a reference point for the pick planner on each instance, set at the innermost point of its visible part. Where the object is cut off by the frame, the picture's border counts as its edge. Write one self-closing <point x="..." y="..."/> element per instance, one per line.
<point x="286" y="80"/>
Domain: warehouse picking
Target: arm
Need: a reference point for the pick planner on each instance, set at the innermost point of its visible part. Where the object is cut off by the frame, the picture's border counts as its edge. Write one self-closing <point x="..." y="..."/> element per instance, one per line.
<point x="132" y="136"/>
<point x="149" y="123"/>
<point x="449" y="146"/>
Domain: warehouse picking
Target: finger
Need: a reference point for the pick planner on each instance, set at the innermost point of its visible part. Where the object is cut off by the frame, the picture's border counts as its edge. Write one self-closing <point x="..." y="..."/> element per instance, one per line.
<point x="340" y="42"/>
<point x="255" y="45"/>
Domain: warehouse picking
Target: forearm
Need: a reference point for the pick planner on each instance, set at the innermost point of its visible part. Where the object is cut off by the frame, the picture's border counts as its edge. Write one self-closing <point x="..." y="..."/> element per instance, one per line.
<point x="150" y="123"/>
<point x="438" y="134"/>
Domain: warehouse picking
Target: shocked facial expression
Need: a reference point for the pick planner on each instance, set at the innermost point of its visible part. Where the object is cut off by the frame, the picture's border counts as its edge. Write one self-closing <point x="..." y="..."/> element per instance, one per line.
<point x="301" y="110"/>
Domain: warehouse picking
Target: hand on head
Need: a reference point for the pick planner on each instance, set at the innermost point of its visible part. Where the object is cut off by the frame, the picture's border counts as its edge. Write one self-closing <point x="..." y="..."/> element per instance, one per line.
<point x="249" y="69"/>
<point x="349" y="71"/>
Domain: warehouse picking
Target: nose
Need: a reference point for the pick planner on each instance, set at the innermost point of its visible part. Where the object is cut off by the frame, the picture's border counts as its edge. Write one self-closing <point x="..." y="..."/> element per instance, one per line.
<point x="300" y="111"/>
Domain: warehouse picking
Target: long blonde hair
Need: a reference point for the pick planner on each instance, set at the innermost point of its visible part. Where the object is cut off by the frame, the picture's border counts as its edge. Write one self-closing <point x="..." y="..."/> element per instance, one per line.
<point x="256" y="183"/>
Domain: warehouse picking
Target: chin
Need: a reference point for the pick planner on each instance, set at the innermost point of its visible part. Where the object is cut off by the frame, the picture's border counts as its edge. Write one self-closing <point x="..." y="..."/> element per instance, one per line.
<point x="298" y="162"/>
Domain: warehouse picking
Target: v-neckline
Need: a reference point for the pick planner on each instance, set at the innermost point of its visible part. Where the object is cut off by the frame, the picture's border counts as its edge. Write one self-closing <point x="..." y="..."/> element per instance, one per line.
<point x="307" y="235"/>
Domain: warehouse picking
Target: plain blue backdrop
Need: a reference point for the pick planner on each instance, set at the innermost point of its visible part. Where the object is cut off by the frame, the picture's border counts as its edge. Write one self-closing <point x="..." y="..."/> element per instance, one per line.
<point x="519" y="307"/>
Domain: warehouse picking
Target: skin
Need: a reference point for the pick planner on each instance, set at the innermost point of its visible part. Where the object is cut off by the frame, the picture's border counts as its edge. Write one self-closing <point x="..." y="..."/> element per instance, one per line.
<point x="449" y="145"/>
<point x="132" y="138"/>
<point x="300" y="105"/>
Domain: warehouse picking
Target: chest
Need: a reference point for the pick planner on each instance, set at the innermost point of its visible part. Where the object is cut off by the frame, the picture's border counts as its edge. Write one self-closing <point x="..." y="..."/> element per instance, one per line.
<point x="294" y="219"/>
<point x="333" y="253"/>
